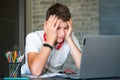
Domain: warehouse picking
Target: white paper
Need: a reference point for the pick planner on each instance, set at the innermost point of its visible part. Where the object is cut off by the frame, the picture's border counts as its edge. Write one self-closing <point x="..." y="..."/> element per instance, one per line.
<point x="44" y="75"/>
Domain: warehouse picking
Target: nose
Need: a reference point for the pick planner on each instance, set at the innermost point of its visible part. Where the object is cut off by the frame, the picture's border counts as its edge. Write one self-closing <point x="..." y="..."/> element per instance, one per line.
<point x="62" y="32"/>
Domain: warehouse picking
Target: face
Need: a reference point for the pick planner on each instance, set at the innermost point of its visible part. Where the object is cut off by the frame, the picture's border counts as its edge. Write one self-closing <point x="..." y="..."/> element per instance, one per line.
<point x="61" y="30"/>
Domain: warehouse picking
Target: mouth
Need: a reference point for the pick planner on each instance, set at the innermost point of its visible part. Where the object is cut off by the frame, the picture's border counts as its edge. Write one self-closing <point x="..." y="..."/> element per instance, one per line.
<point x="61" y="38"/>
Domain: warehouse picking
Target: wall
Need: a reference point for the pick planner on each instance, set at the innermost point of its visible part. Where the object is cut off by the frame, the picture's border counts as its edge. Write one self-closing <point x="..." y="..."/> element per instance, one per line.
<point x="109" y="17"/>
<point x="9" y="25"/>
<point x="28" y="16"/>
<point x="84" y="14"/>
<point x="12" y="24"/>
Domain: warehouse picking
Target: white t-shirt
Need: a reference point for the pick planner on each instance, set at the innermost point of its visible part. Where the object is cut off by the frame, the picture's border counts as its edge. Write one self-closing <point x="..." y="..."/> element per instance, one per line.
<point x="57" y="58"/>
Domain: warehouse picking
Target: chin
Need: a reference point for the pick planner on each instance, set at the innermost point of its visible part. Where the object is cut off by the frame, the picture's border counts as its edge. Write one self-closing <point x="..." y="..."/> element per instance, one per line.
<point x="59" y="41"/>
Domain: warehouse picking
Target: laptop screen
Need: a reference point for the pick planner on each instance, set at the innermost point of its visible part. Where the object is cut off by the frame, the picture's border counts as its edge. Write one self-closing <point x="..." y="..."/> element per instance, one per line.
<point x="100" y="56"/>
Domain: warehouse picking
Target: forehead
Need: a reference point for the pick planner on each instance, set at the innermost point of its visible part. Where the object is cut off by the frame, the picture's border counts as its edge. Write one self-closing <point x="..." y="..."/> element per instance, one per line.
<point x="62" y="23"/>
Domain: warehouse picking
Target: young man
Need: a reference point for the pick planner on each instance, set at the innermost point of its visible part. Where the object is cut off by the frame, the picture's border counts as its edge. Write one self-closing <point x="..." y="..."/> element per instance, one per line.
<point x="47" y="50"/>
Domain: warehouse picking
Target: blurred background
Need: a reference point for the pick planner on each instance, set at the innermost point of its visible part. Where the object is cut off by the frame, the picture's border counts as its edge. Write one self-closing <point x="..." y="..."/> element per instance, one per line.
<point x="90" y="17"/>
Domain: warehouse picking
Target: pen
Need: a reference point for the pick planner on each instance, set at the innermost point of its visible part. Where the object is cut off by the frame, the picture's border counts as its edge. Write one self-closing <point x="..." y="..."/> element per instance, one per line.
<point x="8" y="55"/>
<point x="15" y="70"/>
<point x="14" y="56"/>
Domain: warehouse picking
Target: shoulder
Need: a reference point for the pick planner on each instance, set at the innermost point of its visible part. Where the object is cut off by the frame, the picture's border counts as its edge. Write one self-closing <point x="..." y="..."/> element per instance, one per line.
<point x="35" y="35"/>
<point x="76" y="41"/>
<point x="34" y="41"/>
<point x="74" y="37"/>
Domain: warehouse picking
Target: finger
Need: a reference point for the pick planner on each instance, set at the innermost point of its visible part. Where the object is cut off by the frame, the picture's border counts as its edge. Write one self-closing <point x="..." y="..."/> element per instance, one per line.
<point x="50" y="17"/>
<point x="54" y="22"/>
<point x="57" y="24"/>
<point x="53" y="17"/>
<point x="71" y="21"/>
<point x="69" y="24"/>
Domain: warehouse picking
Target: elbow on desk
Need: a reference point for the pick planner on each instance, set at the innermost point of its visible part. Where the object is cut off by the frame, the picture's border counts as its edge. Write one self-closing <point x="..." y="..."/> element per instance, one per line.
<point x="35" y="71"/>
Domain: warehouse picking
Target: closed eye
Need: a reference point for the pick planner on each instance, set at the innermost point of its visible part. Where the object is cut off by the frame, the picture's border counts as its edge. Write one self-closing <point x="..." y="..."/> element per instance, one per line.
<point x="58" y="28"/>
<point x="66" y="27"/>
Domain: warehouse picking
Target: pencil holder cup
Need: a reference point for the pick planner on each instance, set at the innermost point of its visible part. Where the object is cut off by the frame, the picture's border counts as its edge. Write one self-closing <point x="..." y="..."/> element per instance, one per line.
<point x="15" y="69"/>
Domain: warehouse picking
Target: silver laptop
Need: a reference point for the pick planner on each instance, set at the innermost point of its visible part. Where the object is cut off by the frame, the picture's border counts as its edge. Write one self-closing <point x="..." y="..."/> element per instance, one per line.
<point x="100" y="57"/>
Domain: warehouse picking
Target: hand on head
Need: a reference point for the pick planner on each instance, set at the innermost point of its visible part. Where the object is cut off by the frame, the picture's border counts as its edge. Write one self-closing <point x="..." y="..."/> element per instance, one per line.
<point x="50" y="28"/>
<point x="68" y="35"/>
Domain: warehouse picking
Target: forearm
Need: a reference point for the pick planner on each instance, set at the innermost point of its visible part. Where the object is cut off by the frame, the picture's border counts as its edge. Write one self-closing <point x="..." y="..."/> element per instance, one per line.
<point x="38" y="61"/>
<point x="75" y="52"/>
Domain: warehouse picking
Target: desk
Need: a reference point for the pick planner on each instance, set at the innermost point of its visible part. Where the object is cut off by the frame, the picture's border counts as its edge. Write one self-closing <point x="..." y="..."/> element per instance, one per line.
<point x="54" y="78"/>
<point x="68" y="78"/>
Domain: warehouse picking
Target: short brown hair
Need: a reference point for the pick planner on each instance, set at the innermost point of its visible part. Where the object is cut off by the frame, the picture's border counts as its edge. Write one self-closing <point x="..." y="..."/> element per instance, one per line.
<point x="61" y="11"/>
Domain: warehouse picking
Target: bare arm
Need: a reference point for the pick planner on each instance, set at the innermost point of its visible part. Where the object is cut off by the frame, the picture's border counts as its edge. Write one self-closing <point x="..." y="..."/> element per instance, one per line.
<point x="38" y="61"/>
<point x="76" y="53"/>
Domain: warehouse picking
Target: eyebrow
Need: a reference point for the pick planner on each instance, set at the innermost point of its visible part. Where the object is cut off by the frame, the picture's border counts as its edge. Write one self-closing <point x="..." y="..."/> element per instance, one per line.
<point x="64" y="27"/>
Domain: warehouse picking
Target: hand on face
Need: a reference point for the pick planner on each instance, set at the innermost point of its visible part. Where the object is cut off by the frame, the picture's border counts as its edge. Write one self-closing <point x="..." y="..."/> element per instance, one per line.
<point x="68" y="35"/>
<point x="50" y="28"/>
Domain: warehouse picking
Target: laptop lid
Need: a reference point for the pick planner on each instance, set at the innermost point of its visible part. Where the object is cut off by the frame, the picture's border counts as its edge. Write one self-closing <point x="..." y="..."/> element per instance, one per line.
<point x="100" y="57"/>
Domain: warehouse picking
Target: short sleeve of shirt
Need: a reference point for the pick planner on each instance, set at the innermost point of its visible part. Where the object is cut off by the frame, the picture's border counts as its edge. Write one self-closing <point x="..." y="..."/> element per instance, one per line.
<point x="76" y="41"/>
<point x="33" y="43"/>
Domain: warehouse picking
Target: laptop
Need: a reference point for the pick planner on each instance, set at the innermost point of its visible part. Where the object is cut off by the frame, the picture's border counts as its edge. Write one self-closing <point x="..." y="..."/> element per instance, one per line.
<point x="100" y="57"/>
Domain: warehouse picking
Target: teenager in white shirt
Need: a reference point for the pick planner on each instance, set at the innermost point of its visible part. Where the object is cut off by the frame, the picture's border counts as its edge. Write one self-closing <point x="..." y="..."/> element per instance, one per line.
<point x="47" y="50"/>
